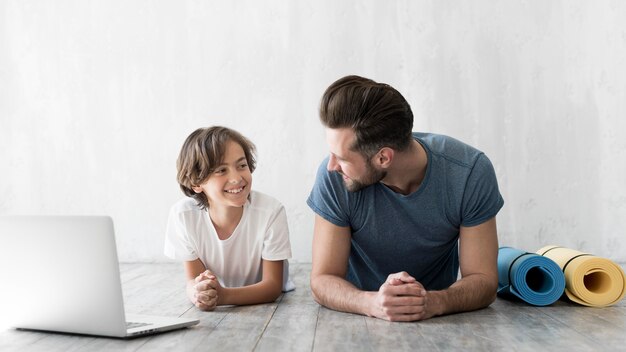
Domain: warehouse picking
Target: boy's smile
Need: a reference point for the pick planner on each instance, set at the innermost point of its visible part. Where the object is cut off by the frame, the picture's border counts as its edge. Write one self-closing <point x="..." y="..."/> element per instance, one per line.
<point x="235" y="191"/>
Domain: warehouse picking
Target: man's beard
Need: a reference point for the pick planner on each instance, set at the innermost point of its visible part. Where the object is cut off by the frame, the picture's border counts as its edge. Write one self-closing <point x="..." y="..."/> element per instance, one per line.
<point x="373" y="176"/>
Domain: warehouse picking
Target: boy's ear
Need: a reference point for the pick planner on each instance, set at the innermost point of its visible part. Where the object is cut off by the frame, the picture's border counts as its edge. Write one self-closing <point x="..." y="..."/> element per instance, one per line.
<point x="197" y="189"/>
<point x="384" y="157"/>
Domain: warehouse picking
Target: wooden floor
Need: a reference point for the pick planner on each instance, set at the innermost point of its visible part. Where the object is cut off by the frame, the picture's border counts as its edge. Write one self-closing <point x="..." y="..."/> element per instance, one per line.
<point x="296" y="323"/>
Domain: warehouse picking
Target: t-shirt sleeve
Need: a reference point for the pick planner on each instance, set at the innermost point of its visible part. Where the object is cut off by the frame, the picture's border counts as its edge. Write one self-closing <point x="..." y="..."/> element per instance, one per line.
<point x="177" y="242"/>
<point x="328" y="197"/>
<point x="481" y="199"/>
<point x="276" y="245"/>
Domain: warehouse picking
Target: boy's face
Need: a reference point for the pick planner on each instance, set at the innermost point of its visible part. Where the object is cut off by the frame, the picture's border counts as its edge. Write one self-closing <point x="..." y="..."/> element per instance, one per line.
<point x="229" y="184"/>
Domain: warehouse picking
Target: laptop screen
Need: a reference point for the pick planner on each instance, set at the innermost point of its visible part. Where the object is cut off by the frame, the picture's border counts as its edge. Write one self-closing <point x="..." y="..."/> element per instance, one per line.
<point x="61" y="273"/>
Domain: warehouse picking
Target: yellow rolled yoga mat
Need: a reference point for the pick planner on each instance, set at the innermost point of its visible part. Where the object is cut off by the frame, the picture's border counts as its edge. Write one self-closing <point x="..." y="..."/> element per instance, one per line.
<point x="589" y="280"/>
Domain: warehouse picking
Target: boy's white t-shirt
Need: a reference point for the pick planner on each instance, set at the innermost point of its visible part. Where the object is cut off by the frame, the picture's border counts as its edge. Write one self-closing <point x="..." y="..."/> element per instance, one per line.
<point x="262" y="233"/>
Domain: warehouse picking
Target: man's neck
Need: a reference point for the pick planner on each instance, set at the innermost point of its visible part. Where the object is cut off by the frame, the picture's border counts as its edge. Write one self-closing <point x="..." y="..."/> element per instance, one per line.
<point x="407" y="170"/>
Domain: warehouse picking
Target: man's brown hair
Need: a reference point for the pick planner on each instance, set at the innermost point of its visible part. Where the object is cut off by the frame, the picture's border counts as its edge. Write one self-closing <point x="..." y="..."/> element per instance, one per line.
<point x="202" y="152"/>
<point x="376" y="112"/>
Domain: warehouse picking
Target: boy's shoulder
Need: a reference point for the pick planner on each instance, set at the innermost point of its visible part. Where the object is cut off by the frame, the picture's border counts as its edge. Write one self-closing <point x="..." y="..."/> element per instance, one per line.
<point x="184" y="205"/>
<point x="260" y="200"/>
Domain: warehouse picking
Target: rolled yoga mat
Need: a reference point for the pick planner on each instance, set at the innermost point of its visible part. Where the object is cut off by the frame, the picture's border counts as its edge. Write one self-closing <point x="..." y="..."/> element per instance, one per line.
<point x="589" y="280"/>
<point x="528" y="276"/>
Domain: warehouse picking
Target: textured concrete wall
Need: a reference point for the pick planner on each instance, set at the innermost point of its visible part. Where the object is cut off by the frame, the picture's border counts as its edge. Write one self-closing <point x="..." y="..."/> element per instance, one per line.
<point x="96" y="98"/>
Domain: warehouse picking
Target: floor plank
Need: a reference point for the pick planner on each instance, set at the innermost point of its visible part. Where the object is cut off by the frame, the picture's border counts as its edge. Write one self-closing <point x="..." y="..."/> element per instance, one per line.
<point x="337" y="331"/>
<point x="397" y="336"/>
<point x="296" y="323"/>
<point x="292" y="327"/>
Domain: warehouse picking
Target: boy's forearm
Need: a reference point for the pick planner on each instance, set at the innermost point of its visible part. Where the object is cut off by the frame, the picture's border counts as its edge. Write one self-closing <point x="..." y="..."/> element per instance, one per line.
<point x="262" y="292"/>
<point x="191" y="291"/>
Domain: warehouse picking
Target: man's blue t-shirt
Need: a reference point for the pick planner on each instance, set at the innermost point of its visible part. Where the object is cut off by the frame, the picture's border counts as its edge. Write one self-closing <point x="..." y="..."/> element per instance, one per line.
<point x="417" y="233"/>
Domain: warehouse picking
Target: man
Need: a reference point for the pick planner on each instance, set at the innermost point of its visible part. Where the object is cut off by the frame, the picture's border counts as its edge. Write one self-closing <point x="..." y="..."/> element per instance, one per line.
<point x="397" y="212"/>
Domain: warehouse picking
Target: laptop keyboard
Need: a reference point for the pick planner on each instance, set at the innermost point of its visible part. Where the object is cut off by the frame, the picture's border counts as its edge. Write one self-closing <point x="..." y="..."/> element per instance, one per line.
<point x="131" y="325"/>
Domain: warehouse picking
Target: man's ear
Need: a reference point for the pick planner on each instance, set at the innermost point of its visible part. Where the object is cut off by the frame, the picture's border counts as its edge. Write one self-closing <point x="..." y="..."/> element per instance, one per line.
<point x="384" y="157"/>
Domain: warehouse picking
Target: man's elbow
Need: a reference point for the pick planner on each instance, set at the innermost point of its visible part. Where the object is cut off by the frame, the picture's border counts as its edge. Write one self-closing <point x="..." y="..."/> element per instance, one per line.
<point x="315" y="289"/>
<point x="490" y="299"/>
<point x="491" y="292"/>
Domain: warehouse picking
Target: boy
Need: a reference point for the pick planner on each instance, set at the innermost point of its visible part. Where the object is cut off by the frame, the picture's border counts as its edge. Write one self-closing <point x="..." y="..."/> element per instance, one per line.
<point x="234" y="241"/>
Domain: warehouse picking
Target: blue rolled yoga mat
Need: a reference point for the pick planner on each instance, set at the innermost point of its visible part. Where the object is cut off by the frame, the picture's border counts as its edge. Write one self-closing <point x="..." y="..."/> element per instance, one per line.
<point x="528" y="276"/>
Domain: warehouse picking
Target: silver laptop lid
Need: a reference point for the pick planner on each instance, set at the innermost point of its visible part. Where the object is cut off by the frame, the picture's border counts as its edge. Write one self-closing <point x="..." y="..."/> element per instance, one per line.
<point x="60" y="273"/>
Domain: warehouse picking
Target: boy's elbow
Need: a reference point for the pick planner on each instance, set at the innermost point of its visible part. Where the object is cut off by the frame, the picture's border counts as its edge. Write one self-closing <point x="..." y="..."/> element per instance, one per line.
<point x="275" y="292"/>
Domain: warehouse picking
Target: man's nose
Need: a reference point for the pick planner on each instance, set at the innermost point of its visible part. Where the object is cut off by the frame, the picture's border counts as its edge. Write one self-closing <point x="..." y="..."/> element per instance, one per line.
<point x="332" y="164"/>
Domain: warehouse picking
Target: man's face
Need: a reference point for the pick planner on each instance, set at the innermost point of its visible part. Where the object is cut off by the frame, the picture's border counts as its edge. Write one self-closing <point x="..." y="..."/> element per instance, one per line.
<point x="357" y="171"/>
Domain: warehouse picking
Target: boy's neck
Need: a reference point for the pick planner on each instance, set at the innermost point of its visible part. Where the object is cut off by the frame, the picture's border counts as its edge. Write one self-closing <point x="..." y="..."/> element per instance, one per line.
<point x="225" y="220"/>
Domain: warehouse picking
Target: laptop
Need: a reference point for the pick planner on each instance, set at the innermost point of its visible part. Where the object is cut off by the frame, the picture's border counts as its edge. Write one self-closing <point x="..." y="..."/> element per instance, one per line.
<point x="61" y="274"/>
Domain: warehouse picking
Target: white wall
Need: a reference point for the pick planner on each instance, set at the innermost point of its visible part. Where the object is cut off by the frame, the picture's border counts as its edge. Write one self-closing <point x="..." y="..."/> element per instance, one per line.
<point x="96" y="98"/>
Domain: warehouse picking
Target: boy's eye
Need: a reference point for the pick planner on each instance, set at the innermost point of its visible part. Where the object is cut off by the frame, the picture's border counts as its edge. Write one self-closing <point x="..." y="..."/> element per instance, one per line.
<point x="219" y="171"/>
<point x="243" y="166"/>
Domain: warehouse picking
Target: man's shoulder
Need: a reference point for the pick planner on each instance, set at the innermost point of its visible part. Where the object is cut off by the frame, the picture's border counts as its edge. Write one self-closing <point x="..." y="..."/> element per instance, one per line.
<point x="448" y="148"/>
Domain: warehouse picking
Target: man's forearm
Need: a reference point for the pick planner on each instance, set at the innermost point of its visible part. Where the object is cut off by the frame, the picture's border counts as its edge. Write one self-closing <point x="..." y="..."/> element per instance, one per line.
<point x="338" y="294"/>
<point x="470" y="293"/>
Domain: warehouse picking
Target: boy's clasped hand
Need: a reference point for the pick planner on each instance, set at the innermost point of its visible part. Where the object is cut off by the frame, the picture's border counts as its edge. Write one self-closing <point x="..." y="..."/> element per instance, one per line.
<point x="207" y="291"/>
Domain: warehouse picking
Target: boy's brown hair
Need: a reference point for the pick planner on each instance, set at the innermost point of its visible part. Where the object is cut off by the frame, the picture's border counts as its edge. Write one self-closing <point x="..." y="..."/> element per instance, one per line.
<point x="376" y="112"/>
<point x="202" y="152"/>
